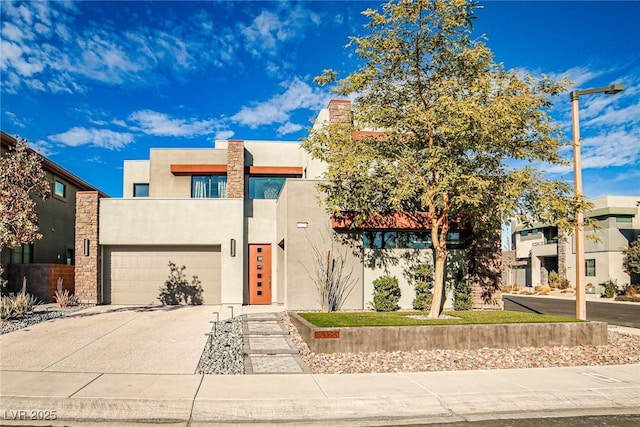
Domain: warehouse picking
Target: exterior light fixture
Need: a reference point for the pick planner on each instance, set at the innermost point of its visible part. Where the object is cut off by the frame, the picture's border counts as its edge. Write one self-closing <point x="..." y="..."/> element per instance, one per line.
<point x="302" y="224"/>
<point x="581" y="302"/>
<point x="86" y="243"/>
<point x="233" y="247"/>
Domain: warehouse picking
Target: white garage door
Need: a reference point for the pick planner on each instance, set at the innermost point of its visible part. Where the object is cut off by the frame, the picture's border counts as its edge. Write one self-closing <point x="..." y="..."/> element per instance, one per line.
<point x="134" y="274"/>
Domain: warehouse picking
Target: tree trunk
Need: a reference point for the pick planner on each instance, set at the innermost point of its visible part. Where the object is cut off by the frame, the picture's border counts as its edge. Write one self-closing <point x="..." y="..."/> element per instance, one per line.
<point x="438" y="281"/>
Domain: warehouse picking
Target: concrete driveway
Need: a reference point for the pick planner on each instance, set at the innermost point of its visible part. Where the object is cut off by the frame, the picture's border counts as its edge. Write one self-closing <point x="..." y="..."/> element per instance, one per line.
<point x="112" y="339"/>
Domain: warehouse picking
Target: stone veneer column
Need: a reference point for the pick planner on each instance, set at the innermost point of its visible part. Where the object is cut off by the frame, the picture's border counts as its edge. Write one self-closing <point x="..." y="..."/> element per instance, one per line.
<point x="88" y="271"/>
<point x="340" y="111"/>
<point x="562" y="254"/>
<point x="235" y="169"/>
<point x="485" y="264"/>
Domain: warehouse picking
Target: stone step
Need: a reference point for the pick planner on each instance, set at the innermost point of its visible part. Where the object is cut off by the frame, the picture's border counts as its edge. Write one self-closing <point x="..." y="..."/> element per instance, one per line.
<point x="264" y="328"/>
<point x="271" y="344"/>
<point x="278" y="364"/>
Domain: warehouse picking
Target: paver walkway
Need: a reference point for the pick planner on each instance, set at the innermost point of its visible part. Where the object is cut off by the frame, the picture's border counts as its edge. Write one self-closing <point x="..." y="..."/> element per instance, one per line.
<point x="268" y="347"/>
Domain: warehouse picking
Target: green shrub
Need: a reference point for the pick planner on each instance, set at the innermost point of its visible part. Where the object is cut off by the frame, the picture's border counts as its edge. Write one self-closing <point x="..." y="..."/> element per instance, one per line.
<point x="610" y="288"/>
<point x="386" y="294"/>
<point x="564" y="283"/>
<point x="421" y="277"/>
<point x="554" y="279"/>
<point x="462" y="298"/>
<point x="177" y="290"/>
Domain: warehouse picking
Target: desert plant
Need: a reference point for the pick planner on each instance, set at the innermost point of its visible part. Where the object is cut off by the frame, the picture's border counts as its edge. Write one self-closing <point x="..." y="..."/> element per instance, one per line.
<point x="386" y="294"/>
<point x="63" y="297"/>
<point x="177" y="289"/>
<point x="631" y="290"/>
<point x="610" y="288"/>
<point x="333" y="281"/>
<point x="506" y="289"/>
<point x="421" y="277"/>
<point x="17" y="305"/>
<point x="515" y="287"/>
<point x="564" y="283"/>
<point x="631" y="259"/>
<point x="554" y="279"/>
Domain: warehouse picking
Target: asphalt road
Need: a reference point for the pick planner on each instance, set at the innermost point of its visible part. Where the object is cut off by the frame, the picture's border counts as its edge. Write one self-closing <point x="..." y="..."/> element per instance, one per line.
<point x="613" y="314"/>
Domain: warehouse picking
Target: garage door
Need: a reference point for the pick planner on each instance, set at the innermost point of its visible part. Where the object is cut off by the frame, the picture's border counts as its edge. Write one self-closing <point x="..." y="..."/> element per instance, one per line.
<point x="134" y="274"/>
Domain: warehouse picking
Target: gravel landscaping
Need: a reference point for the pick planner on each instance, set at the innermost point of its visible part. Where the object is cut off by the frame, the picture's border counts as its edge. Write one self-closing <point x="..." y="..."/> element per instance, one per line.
<point x="224" y="351"/>
<point x="40" y="314"/>
<point x="621" y="349"/>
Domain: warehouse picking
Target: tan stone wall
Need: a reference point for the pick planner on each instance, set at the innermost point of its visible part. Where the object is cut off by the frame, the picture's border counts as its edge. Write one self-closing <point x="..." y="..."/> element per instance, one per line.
<point x="235" y="169"/>
<point x="485" y="264"/>
<point x="88" y="278"/>
<point x="340" y="111"/>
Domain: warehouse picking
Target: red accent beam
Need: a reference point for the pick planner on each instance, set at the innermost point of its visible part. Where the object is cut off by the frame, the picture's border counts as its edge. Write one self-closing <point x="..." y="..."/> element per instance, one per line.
<point x="345" y="221"/>
<point x="198" y="169"/>
<point x="274" y="170"/>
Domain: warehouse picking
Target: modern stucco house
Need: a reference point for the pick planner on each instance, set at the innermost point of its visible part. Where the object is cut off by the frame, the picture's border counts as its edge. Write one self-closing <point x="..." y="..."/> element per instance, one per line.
<point x="246" y="217"/>
<point x="537" y="250"/>
<point x="53" y="256"/>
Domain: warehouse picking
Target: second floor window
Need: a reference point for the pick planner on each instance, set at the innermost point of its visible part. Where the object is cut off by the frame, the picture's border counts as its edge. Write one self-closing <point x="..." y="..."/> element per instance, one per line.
<point x="140" y="190"/>
<point x="59" y="188"/>
<point x="209" y="186"/>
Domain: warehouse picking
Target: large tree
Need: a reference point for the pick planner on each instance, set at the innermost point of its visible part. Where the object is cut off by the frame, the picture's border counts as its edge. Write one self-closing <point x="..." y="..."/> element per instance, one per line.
<point x="450" y="119"/>
<point x="22" y="181"/>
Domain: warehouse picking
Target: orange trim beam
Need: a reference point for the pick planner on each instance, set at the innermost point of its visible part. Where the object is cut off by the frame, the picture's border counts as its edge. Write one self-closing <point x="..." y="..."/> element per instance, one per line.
<point x="345" y="221"/>
<point x="275" y="170"/>
<point x="198" y="169"/>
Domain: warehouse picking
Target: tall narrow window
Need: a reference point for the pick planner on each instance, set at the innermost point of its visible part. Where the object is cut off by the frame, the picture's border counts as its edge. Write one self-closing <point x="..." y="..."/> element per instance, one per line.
<point x="209" y="186"/>
<point x="590" y="267"/>
<point x="140" y="190"/>
<point x="59" y="188"/>
<point x="22" y="254"/>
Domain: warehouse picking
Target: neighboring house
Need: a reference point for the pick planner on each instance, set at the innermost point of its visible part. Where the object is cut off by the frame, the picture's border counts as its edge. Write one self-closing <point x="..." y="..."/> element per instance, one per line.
<point x="537" y="250"/>
<point x="53" y="256"/>
<point x="244" y="216"/>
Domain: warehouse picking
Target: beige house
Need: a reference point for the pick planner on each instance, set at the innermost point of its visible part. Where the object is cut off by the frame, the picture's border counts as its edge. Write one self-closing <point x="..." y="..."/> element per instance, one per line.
<point x="538" y="251"/>
<point x="246" y="217"/>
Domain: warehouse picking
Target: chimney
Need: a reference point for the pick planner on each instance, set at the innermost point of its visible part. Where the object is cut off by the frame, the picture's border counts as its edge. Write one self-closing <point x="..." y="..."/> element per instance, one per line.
<point x="235" y="169"/>
<point x="340" y="111"/>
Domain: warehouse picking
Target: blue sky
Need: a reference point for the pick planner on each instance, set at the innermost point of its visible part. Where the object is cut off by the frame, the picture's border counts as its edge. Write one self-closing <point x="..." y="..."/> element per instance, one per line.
<point x="94" y="83"/>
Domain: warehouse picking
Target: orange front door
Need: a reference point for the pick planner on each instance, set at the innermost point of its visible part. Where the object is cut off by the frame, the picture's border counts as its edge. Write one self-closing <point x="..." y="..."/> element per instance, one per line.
<point x="259" y="274"/>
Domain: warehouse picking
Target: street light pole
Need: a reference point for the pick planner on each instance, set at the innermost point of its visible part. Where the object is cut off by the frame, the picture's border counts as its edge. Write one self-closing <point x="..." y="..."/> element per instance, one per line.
<point x="581" y="302"/>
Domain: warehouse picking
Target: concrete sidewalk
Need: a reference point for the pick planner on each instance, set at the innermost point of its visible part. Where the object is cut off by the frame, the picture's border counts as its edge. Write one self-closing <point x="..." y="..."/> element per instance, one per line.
<point x="128" y="365"/>
<point x="363" y="399"/>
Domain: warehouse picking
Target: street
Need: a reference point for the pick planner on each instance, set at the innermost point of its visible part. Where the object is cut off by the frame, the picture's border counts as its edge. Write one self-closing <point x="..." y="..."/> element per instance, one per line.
<point x="613" y="314"/>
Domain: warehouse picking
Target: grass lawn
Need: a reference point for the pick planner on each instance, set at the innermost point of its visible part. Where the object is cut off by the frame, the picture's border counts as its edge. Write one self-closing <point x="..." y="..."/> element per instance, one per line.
<point x="403" y="318"/>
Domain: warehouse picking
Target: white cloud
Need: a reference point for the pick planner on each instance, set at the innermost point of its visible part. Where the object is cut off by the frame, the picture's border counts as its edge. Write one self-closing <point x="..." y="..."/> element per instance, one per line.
<point x="104" y="138"/>
<point x="42" y="40"/>
<point x="224" y="134"/>
<point x="268" y="31"/>
<point x="289" y="128"/>
<point x="13" y="117"/>
<point x="620" y="148"/>
<point x="159" y="124"/>
<point x="298" y="95"/>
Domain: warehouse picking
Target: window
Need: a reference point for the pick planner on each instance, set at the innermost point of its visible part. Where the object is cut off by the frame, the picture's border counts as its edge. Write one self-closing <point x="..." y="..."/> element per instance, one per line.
<point x="624" y="219"/>
<point x="22" y="254"/>
<point x="261" y="187"/>
<point x="408" y="240"/>
<point x="209" y="186"/>
<point x="590" y="267"/>
<point x="524" y="233"/>
<point x="59" y="188"/>
<point x="140" y="190"/>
